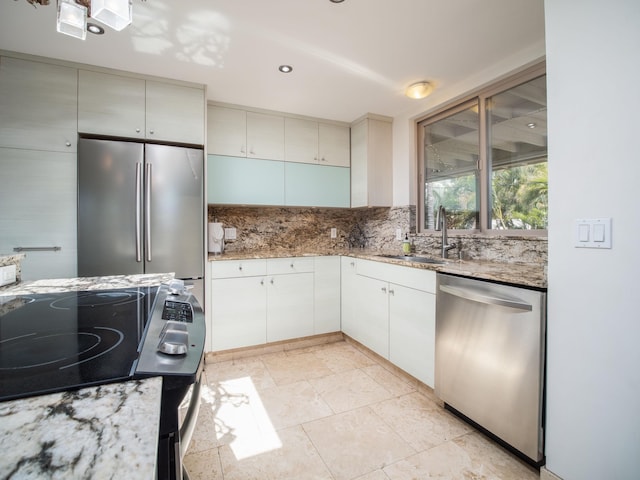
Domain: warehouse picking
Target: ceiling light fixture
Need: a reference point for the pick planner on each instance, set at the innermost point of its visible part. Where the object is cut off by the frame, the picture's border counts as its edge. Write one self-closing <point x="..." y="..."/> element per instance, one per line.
<point x="285" y="68"/>
<point x="336" y="1"/>
<point x="72" y="15"/>
<point x="95" y="29"/>
<point x="72" y="19"/>
<point x="418" y="90"/>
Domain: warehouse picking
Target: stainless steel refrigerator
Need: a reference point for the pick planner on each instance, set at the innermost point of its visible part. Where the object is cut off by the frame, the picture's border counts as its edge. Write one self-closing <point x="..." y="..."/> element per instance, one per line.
<point x="141" y="210"/>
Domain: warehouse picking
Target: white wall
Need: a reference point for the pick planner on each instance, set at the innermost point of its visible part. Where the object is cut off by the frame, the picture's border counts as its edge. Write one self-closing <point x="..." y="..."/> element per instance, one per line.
<point x="593" y="396"/>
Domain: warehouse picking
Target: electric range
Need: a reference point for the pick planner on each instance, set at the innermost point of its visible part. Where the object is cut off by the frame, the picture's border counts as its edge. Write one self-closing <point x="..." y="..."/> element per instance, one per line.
<point x="54" y="342"/>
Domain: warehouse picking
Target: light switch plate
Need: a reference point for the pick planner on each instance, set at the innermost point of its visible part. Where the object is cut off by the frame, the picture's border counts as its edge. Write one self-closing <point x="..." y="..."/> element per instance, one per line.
<point x="593" y="233"/>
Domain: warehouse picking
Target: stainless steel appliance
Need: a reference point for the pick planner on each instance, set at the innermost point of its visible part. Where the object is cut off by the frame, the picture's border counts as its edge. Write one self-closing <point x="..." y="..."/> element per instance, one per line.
<point x="66" y="341"/>
<point x="141" y="210"/>
<point x="490" y="359"/>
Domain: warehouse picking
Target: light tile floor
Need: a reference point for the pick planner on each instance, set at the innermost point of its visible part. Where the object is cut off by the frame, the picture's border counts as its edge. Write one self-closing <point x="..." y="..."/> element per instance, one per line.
<point x="333" y="412"/>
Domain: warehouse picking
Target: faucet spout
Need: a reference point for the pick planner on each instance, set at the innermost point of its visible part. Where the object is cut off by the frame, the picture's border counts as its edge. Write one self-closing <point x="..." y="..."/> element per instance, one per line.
<point x="441" y="224"/>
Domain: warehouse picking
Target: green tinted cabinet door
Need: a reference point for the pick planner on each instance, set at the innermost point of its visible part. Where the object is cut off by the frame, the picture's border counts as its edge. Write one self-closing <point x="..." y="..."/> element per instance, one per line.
<point x="316" y="185"/>
<point x="244" y="181"/>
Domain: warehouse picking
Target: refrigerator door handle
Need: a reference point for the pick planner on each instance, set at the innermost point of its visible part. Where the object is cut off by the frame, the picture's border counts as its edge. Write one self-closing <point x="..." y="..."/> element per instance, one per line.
<point x="147" y="229"/>
<point x="138" y="211"/>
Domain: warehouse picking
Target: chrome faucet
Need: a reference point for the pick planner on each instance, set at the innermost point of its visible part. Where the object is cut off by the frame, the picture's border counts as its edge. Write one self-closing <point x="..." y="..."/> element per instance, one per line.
<point x="441" y="224"/>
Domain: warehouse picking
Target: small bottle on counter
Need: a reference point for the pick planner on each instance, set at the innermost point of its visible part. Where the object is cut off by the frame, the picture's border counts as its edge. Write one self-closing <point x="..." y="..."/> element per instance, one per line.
<point x="406" y="245"/>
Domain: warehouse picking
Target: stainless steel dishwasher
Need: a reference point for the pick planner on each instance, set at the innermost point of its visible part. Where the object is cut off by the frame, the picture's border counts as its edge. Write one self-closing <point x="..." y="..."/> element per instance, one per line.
<point x="490" y="359"/>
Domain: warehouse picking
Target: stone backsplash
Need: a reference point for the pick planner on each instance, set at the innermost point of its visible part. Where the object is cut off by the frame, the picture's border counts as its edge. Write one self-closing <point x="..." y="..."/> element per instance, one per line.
<point x="309" y="229"/>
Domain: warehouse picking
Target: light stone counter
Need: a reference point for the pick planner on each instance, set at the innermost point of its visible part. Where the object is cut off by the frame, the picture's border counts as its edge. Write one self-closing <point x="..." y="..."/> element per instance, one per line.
<point x="104" y="432"/>
<point x="86" y="283"/>
<point x="524" y="274"/>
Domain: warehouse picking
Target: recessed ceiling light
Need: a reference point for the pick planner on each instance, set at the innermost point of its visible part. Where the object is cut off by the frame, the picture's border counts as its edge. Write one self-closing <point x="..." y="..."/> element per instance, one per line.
<point x="96" y="29"/>
<point x="285" y="68"/>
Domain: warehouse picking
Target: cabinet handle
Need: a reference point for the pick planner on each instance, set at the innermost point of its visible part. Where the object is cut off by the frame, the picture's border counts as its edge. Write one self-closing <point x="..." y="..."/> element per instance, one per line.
<point x="242" y="150"/>
<point x="262" y="281"/>
<point x="151" y="131"/>
<point x="68" y="144"/>
<point x="391" y="292"/>
<point x="384" y="289"/>
<point x="137" y="130"/>
<point x="272" y="281"/>
<point x="353" y="264"/>
<point x="240" y="267"/>
<point x="323" y="159"/>
<point x="251" y="152"/>
<point x="291" y="265"/>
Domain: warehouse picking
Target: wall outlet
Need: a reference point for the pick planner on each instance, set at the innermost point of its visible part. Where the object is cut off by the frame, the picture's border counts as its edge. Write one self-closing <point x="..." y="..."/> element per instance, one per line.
<point x="7" y="274"/>
<point x="334" y="233"/>
<point x="229" y="233"/>
<point x="398" y="234"/>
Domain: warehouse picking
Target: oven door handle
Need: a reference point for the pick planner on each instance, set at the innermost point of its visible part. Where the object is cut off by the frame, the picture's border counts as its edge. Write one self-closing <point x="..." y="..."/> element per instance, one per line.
<point x="189" y="422"/>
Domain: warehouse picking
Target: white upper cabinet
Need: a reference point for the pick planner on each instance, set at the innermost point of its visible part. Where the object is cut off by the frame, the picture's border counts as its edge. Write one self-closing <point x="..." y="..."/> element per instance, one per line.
<point x="38" y="105"/>
<point x="371" y="163"/>
<point x="226" y="131"/>
<point x="175" y="113"/>
<point x="238" y="133"/>
<point x="265" y="136"/>
<point x="121" y="106"/>
<point x="307" y="141"/>
<point x="111" y="104"/>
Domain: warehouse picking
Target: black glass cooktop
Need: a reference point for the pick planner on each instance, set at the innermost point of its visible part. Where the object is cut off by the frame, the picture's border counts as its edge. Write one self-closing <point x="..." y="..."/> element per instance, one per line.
<point x="62" y="341"/>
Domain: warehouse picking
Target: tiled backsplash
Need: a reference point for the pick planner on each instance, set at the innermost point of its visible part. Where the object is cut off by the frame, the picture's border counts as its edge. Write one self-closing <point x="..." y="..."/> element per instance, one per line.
<point x="309" y="229"/>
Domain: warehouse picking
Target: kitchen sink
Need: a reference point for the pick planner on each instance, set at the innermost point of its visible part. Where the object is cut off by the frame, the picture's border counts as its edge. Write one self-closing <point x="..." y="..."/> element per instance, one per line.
<point x="411" y="258"/>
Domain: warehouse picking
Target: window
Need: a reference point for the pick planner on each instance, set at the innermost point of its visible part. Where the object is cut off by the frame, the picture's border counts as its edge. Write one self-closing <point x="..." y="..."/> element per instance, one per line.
<point x="485" y="160"/>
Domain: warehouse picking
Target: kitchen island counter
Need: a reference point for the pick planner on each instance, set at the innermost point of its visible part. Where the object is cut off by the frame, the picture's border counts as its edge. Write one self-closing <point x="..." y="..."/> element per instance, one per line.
<point x="522" y="274"/>
<point x="109" y="431"/>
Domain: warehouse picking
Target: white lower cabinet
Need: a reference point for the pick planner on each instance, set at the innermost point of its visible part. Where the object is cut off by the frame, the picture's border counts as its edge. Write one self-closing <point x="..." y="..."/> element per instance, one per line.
<point x="393" y="314"/>
<point x="258" y="301"/>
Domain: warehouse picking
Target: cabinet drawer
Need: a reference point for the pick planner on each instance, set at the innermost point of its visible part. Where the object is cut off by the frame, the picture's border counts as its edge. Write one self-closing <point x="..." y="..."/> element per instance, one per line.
<point x="417" y="278"/>
<point x="238" y="268"/>
<point x="279" y="266"/>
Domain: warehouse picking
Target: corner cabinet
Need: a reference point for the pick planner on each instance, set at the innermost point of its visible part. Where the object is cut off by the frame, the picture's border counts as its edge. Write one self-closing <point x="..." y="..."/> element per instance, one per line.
<point x="131" y="107"/>
<point x="371" y="162"/>
<point x="391" y="310"/>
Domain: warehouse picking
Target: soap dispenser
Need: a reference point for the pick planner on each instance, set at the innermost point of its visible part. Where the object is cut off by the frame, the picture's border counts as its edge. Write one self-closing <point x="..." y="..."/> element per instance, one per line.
<point x="406" y="245"/>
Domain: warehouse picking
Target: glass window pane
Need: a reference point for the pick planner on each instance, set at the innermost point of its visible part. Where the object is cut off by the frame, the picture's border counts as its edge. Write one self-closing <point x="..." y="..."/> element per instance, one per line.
<point x="517" y="128"/>
<point x="451" y="152"/>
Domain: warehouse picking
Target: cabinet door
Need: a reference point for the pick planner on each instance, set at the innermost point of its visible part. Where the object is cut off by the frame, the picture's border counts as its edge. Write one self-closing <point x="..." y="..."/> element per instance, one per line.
<point x="326" y="302"/>
<point x="412" y="331"/>
<point x="38" y="105"/>
<point x="372" y="314"/>
<point x="300" y="140"/>
<point x="238" y="312"/>
<point x="289" y="306"/>
<point x="334" y="145"/>
<point x="38" y="198"/>
<point x="316" y="185"/>
<point x="265" y="136"/>
<point x="359" y="196"/>
<point x="226" y="131"/>
<point x="348" y="289"/>
<point x="175" y="113"/>
<point x="244" y="181"/>
<point x="111" y="104"/>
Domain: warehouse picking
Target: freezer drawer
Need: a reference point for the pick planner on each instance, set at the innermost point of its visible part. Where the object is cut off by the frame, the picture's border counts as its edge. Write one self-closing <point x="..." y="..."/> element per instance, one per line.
<point x="490" y="353"/>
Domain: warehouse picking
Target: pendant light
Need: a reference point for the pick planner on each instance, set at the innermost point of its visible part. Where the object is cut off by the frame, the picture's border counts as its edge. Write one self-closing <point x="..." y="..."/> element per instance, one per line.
<point x="72" y="19"/>
<point x="116" y="14"/>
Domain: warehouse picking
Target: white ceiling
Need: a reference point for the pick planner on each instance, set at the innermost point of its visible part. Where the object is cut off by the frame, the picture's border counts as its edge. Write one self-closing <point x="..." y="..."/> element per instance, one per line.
<point x="349" y="58"/>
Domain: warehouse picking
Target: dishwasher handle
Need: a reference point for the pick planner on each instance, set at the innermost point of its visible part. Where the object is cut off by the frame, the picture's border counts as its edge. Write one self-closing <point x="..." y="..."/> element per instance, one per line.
<point x="482" y="297"/>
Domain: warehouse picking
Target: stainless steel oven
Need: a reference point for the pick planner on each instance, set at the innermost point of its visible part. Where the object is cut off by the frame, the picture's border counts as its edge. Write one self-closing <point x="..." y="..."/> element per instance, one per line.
<point x="62" y="341"/>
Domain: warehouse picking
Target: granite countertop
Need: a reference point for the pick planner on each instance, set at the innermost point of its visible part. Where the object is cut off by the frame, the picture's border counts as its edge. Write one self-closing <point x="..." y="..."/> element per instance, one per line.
<point x="525" y="274"/>
<point x="109" y="431"/>
<point x="86" y="283"/>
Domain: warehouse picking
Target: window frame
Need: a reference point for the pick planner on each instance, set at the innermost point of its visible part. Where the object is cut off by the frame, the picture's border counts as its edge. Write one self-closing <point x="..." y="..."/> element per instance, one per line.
<point x="480" y="96"/>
